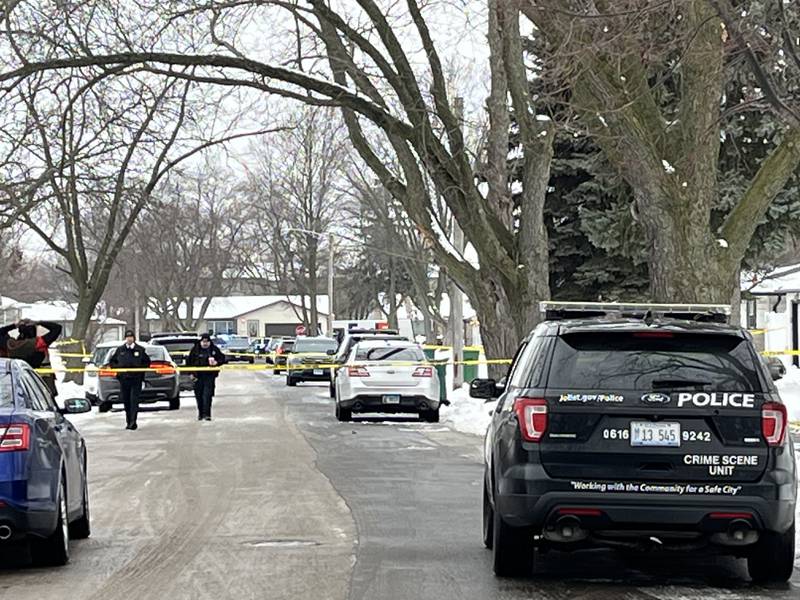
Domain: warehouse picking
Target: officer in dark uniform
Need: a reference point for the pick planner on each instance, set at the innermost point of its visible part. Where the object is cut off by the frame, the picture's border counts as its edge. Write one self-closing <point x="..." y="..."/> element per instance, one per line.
<point x="205" y="354"/>
<point x="34" y="349"/>
<point x="130" y="356"/>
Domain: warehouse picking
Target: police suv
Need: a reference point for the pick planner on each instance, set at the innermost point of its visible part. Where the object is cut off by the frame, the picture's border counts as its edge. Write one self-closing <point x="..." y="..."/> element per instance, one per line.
<point x="638" y="426"/>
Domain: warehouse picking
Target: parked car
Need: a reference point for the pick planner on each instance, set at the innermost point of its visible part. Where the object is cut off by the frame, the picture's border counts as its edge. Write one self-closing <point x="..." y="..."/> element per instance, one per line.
<point x="282" y="351"/>
<point x="258" y="346"/>
<point x="638" y="427"/>
<point x="387" y="376"/>
<point x="349" y="340"/>
<point x="161" y="383"/>
<point x="44" y="497"/>
<point x="310" y="360"/>
<point x="272" y="345"/>
<point x="235" y="347"/>
<point x="179" y="347"/>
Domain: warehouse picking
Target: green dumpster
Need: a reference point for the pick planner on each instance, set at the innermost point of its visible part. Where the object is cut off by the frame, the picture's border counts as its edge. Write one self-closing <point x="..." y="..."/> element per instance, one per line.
<point x="471" y="353"/>
<point x="441" y="370"/>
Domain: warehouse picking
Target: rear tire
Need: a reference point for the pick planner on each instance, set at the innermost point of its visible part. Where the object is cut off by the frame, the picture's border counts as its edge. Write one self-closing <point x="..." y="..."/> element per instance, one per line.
<point x="53" y="551"/>
<point x="430" y="416"/>
<point x="343" y="414"/>
<point x="104" y="407"/>
<point x="291" y="381"/>
<point x="772" y="557"/>
<point x="488" y="519"/>
<point x="332" y="389"/>
<point x="175" y="403"/>
<point x="512" y="549"/>
<point x="82" y="527"/>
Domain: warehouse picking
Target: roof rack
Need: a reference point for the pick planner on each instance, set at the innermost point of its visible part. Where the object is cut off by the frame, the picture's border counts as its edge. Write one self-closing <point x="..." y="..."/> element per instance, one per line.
<point x="708" y="313"/>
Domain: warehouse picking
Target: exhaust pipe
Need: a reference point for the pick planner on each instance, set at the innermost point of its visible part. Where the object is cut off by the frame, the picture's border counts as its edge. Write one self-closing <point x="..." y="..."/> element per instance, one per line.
<point x="566" y="529"/>
<point x="5" y="532"/>
<point x="739" y="533"/>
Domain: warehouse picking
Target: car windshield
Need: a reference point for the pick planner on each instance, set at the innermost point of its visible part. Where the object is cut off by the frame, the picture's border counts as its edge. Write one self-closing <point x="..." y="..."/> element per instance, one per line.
<point x="157" y="353"/>
<point x="6" y="398"/>
<point x="101" y="355"/>
<point x="315" y="345"/>
<point x="394" y="353"/>
<point x="648" y="360"/>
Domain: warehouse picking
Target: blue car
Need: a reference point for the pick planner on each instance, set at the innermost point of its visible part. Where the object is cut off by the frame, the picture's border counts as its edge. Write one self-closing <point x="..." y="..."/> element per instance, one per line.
<point x="44" y="500"/>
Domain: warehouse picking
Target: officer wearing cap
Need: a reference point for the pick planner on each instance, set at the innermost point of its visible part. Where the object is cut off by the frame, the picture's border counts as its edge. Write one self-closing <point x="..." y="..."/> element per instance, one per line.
<point x="130" y="356"/>
<point x="205" y="354"/>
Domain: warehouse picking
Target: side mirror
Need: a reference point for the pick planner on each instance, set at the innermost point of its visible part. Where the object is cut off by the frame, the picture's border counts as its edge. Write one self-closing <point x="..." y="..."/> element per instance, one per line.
<point x="331" y="352"/>
<point x="484" y="388"/>
<point x="86" y="360"/>
<point x="776" y="367"/>
<point x="76" y="406"/>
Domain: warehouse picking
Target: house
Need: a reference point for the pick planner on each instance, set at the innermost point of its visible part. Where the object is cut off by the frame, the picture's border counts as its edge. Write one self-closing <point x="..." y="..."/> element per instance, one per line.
<point x="770" y="308"/>
<point x="101" y="328"/>
<point x="253" y="316"/>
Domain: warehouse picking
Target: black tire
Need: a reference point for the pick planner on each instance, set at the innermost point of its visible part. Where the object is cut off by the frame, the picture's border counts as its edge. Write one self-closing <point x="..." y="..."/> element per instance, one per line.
<point x="488" y="519"/>
<point x="291" y="381"/>
<point x="332" y="389"/>
<point x="772" y="557"/>
<point x="53" y="551"/>
<point x="252" y="360"/>
<point x="175" y="403"/>
<point x="512" y="549"/>
<point x="81" y="528"/>
<point x="343" y="414"/>
<point x="430" y="416"/>
<point x="104" y="407"/>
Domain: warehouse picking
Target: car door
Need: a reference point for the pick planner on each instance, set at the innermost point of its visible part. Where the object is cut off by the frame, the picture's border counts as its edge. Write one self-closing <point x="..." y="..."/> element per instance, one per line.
<point x="68" y="438"/>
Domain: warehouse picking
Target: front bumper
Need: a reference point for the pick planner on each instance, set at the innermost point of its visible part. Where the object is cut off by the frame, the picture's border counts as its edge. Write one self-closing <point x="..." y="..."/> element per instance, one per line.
<point x="312" y="374"/>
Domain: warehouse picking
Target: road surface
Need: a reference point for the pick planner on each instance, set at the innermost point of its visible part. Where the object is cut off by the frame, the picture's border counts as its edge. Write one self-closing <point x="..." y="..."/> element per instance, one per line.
<point x="276" y="499"/>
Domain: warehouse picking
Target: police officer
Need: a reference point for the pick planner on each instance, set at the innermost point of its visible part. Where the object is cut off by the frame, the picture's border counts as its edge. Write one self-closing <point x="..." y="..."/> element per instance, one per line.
<point x="31" y="347"/>
<point x="205" y="354"/>
<point x="130" y="356"/>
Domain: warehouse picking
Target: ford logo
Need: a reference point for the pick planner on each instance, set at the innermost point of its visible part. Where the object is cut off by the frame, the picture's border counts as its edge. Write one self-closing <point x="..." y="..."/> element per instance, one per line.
<point x="656" y="398"/>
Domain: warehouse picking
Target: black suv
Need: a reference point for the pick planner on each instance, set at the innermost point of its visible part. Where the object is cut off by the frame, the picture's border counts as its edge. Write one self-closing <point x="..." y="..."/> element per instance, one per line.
<point x="350" y="339"/>
<point x="636" y="427"/>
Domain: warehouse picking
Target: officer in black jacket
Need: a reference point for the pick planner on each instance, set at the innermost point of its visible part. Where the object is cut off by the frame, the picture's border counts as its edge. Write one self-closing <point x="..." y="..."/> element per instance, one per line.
<point x="130" y="356"/>
<point x="205" y="354"/>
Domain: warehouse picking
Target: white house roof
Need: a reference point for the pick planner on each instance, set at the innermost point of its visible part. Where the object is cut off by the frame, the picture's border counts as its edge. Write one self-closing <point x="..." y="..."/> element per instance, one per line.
<point x="59" y="312"/>
<point x="7" y="302"/>
<point x="231" y="307"/>
<point x="780" y="281"/>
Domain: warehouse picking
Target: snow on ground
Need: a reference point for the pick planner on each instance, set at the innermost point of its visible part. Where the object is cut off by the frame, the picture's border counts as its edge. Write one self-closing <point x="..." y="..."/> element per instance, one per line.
<point x="465" y="414"/>
<point x="789" y="388"/>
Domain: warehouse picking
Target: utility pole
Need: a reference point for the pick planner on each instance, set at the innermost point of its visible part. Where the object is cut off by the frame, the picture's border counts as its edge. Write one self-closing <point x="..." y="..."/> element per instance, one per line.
<point x="455" y="294"/>
<point x="330" y="284"/>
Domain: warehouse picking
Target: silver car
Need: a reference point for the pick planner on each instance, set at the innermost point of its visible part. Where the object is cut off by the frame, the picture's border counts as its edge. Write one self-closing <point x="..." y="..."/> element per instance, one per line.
<point x="387" y="376"/>
<point x="161" y="384"/>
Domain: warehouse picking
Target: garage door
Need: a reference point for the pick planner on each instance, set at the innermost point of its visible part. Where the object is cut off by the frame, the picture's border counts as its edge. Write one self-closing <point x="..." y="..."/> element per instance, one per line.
<point x="275" y="329"/>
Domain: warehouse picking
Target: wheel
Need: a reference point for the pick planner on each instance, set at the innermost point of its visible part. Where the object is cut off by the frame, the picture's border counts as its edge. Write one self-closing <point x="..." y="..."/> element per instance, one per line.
<point x="772" y="557"/>
<point x="343" y="414"/>
<point x="104" y="407"/>
<point x="252" y="360"/>
<point x="512" y="549"/>
<point x="175" y="403"/>
<point x="291" y="381"/>
<point x="332" y="389"/>
<point x="53" y="551"/>
<point x="488" y="519"/>
<point x="81" y="528"/>
<point x="430" y="416"/>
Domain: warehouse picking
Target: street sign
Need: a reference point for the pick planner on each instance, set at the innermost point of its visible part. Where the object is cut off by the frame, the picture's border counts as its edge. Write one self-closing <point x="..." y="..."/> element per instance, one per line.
<point x="300" y="330"/>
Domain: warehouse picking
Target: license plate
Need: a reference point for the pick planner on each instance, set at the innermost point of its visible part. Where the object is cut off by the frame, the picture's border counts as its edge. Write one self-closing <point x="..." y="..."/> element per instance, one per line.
<point x="391" y="399"/>
<point x="645" y="433"/>
<point x="317" y="371"/>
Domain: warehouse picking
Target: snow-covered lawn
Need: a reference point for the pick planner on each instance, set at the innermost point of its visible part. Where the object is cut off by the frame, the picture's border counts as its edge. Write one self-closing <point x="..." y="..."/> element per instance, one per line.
<point x="465" y="414"/>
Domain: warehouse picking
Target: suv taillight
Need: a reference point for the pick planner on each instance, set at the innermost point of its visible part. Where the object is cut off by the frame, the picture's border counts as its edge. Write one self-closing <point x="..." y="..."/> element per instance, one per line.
<point x="16" y="436"/>
<point x="162" y="367"/>
<point x="532" y="417"/>
<point x="773" y="423"/>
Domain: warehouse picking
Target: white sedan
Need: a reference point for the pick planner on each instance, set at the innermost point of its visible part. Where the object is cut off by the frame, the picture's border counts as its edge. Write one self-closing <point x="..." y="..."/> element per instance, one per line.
<point x="387" y="376"/>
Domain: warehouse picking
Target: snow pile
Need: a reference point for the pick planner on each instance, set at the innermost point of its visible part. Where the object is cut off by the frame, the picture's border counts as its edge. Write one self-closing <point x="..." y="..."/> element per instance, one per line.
<point x="789" y="388"/>
<point x="465" y="414"/>
<point x="67" y="390"/>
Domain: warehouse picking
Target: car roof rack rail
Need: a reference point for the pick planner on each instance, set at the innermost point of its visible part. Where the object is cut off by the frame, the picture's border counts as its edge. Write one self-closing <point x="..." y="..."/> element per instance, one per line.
<point x="706" y="313"/>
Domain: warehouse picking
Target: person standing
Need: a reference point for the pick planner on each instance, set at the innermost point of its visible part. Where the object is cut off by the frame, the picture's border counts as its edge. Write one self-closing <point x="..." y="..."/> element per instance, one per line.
<point x="130" y="356"/>
<point x="205" y="354"/>
<point x="34" y="349"/>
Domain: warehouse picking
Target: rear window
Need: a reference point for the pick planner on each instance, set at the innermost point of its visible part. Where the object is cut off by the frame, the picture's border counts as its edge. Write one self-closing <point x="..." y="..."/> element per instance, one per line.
<point x="177" y="346"/>
<point x="287" y="345"/>
<point x="628" y="361"/>
<point x="101" y="355"/>
<point x="156" y="353"/>
<point x="6" y="398"/>
<point x="404" y="354"/>
<point x="315" y="345"/>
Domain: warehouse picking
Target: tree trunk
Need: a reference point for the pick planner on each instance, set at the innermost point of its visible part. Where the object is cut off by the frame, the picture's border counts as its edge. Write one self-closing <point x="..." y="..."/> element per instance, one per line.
<point x="312" y="276"/>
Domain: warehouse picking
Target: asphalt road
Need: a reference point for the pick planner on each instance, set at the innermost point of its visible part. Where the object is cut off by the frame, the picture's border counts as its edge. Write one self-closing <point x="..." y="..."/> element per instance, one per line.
<point x="276" y="499"/>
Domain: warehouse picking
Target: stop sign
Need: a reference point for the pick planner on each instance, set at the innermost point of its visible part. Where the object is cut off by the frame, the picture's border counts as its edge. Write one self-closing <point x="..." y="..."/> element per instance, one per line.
<point x="300" y="330"/>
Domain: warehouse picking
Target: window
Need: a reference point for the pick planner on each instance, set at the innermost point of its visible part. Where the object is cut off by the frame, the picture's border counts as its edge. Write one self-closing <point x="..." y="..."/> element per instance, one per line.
<point x="221" y="327"/>
<point x="315" y="345"/>
<point x="35" y="397"/>
<point x="393" y="353"/>
<point x="6" y="391"/>
<point x="636" y="361"/>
